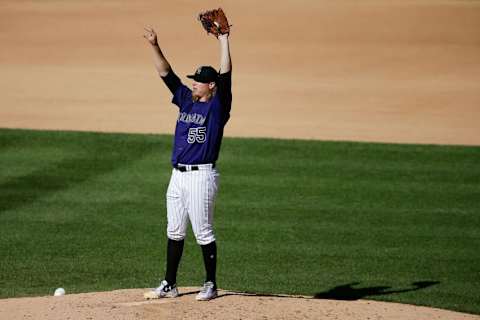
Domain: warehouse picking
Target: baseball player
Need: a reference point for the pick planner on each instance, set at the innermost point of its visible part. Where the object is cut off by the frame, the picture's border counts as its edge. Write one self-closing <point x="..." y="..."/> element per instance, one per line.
<point x="203" y="112"/>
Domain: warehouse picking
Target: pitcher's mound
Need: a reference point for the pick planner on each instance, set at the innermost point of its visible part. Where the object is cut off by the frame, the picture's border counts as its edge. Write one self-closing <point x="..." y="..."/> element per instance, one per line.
<point x="129" y="304"/>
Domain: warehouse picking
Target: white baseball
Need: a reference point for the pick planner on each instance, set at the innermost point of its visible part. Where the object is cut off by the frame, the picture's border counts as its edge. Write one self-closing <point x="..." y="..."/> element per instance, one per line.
<point x="59" y="292"/>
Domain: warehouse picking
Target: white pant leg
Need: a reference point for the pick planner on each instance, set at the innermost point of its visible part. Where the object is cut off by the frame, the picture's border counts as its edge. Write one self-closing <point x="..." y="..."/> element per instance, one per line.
<point x="202" y="186"/>
<point x="177" y="216"/>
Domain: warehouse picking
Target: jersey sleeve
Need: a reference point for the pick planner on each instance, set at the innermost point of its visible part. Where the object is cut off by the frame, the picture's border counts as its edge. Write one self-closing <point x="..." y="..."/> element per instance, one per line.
<point x="225" y="93"/>
<point x="181" y="93"/>
<point x="172" y="81"/>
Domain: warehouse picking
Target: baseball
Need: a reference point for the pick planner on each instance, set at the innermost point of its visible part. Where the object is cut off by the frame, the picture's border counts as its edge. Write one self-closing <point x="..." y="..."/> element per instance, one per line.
<point x="59" y="292"/>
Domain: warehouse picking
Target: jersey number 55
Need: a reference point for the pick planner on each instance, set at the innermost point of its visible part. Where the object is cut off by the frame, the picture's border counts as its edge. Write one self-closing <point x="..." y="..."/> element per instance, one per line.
<point x="197" y="134"/>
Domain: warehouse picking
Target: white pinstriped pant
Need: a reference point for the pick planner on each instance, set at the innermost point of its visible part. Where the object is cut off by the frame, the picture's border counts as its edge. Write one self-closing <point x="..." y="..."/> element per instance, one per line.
<point x="191" y="196"/>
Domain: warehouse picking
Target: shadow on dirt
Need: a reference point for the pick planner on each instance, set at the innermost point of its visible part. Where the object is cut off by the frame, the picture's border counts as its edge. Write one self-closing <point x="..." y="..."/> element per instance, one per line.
<point x="343" y="292"/>
<point x="349" y="293"/>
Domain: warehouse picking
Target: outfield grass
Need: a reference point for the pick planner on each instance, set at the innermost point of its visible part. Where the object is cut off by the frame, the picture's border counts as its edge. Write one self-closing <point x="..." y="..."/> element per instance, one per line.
<point x="86" y="211"/>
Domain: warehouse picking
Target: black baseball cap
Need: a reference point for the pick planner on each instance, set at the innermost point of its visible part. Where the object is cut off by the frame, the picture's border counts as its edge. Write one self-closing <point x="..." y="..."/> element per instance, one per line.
<point x="204" y="74"/>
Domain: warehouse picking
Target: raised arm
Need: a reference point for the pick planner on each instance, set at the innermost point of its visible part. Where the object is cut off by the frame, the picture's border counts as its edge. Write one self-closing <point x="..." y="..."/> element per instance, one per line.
<point x="225" y="59"/>
<point x="161" y="64"/>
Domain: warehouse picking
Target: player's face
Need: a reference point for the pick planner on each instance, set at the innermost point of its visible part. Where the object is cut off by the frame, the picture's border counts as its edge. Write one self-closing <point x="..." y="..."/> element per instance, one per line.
<point x="201" y="90"/>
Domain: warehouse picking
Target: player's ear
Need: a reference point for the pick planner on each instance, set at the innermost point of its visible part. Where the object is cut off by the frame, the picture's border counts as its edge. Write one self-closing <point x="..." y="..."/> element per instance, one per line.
<point x="212" y="85"/>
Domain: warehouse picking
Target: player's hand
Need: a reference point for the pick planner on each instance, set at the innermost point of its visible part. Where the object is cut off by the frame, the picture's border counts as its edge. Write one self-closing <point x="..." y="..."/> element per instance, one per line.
<point x="150" y="35"/>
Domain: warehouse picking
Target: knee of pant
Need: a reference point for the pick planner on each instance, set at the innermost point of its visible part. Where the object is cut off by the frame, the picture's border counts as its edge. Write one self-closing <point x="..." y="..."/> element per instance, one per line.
<point x="204" y="239"/>
<point x="175" y="236"/>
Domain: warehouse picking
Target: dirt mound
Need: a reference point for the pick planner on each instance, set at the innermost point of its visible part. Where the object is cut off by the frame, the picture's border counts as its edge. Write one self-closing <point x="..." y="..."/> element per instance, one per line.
<point x="129" y="304"/>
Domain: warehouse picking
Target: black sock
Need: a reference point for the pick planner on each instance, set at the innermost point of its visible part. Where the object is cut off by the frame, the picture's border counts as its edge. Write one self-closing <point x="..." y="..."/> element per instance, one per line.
<point x="210" y="260"/>
<point x="174" y="254"/>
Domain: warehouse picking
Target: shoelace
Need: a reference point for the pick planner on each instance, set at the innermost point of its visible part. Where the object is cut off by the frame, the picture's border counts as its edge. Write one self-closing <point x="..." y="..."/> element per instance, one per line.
<point x="167" y="288"/>
<point x="205" y="288"/>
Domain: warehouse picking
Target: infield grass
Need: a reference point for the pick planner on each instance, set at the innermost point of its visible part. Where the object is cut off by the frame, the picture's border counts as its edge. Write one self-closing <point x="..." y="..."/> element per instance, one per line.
<point x="343" y="220"/>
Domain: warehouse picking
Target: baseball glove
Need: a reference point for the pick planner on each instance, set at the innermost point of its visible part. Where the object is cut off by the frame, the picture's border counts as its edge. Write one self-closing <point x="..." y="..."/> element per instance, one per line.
<point x="215" y="22"/>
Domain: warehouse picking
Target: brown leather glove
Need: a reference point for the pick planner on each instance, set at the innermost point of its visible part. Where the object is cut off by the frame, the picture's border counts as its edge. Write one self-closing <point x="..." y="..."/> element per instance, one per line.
<point x="214" y="22"/>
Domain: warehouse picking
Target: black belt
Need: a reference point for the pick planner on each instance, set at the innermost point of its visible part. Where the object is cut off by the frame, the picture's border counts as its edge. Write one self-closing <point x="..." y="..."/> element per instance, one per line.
<point x="184" y="168"/>
<point x="192" y="168"/>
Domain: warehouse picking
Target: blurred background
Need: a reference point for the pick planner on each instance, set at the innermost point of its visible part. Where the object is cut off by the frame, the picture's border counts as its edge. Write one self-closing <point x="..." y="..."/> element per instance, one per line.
<point x="389" y="71"/>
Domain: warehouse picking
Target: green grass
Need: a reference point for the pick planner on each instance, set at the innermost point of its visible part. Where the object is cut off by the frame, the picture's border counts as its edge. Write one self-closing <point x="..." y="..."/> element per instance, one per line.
<point x="344" y="220"/>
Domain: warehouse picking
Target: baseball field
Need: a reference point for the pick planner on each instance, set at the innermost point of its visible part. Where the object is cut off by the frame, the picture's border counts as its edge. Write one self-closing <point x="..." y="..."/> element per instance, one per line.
<point x="333" y="220"/>
<point x="350" y="177"/>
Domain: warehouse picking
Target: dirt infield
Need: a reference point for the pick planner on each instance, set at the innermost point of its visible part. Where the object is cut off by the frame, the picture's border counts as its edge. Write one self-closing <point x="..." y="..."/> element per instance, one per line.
<point x="394" y="71"/>
<point x="387" y="71"/>
<point x="129" y="304"/>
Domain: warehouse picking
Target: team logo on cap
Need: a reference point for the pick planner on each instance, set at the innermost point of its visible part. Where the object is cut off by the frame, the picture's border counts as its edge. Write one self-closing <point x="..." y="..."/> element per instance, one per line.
<point x="199" y="70"/>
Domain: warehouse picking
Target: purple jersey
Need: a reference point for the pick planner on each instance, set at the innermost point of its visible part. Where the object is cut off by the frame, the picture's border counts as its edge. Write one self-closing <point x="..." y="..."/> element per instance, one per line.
<point x="199" y="129"/>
